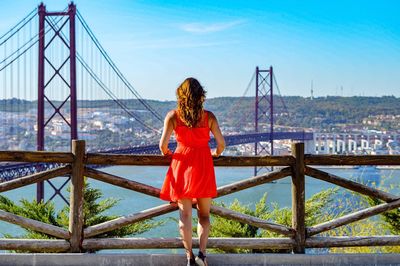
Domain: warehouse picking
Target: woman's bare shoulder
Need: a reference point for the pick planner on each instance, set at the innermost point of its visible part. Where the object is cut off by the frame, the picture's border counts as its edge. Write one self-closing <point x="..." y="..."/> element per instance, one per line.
<point x="171" y="114"/>
<point x="211" y="119"/>
<point x="211" y="115"/>
<point x="171" y="117"/>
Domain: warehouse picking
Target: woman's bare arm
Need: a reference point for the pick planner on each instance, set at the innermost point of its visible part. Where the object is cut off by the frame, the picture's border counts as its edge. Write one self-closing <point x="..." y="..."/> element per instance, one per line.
<point x="216" y="131"/>
<point x="167" y="131"/>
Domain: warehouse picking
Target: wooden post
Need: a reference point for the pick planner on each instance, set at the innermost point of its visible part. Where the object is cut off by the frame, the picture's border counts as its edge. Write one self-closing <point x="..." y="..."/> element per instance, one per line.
<point x="298" y="198"/>
<point x="76" y="196"/>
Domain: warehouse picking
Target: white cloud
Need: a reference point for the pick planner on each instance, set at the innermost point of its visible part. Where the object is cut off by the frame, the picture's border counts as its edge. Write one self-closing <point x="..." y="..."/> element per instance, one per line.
<point x="210" y="27"/>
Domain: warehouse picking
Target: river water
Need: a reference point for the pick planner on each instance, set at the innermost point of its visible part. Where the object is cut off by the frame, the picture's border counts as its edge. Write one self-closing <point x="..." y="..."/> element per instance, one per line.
<point x="132" y="202"/>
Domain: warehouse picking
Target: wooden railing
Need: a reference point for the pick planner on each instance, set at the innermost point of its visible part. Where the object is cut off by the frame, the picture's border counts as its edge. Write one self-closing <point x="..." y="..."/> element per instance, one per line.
<point x="297" y="237"/>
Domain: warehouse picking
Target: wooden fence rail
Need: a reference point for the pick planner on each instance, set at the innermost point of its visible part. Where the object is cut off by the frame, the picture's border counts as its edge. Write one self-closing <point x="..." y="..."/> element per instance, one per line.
<point x="78" y="164"/>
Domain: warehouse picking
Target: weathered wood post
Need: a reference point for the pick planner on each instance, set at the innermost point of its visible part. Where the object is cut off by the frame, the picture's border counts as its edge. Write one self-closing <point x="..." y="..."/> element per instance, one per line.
<point x="76" y="196"/>
<point x="298" y="198"/>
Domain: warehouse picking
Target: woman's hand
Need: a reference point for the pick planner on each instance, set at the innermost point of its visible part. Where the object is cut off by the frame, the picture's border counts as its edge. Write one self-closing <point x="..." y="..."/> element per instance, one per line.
<point x="168" y="152"/>
<point x="215" y="154"/>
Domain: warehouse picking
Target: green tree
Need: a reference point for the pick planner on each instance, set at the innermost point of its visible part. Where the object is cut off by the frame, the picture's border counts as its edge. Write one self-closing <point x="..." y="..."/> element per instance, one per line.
<point x="391" y="223"/>
<point x="94" y="211"/>
<point x="222" y="227"/>
<point x="321" y="207"/>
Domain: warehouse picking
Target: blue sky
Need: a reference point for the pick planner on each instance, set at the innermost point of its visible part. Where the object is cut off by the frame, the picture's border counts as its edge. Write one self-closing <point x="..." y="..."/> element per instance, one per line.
<point x="354" y="45"/>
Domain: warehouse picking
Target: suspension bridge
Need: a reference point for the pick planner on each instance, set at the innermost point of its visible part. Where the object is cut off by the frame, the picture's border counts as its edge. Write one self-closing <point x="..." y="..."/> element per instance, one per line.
<point x="59" y="83"/>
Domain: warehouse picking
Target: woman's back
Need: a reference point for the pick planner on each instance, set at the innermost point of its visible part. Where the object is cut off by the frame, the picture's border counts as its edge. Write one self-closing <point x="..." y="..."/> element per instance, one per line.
<point x="197" y="136"/>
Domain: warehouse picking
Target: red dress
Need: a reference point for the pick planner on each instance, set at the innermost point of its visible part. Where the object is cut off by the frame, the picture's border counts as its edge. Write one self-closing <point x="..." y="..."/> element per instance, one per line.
<point x="191" y="173"/>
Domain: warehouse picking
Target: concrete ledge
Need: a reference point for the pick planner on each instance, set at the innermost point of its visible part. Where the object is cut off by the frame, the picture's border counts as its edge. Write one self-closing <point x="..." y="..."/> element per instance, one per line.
<point x="213" y="259"/>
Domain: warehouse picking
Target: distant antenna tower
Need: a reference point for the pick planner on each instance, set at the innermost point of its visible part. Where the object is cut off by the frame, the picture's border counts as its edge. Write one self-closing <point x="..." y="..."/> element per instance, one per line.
<point x="312" y="90"/>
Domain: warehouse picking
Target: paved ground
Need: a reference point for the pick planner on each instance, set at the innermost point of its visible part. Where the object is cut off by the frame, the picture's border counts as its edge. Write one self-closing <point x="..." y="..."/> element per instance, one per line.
<point x="213" y="259"/>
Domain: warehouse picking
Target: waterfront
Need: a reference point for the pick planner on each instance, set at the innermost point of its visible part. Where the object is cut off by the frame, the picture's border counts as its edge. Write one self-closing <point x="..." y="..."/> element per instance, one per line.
<point x="279" y="192"/>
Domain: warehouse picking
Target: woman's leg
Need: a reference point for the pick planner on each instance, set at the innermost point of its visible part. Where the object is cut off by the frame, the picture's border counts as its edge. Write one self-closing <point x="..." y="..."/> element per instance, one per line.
<point x="185" y="225"/>
<point x="203" y="228"/>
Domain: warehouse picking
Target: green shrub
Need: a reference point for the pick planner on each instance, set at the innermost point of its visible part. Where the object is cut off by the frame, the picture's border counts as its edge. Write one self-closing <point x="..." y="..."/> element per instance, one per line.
<point x="94" y="213"/>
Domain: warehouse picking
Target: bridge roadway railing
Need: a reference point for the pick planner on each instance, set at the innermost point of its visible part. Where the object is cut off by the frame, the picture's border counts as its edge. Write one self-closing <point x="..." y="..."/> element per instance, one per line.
<point x="297" y="237"/>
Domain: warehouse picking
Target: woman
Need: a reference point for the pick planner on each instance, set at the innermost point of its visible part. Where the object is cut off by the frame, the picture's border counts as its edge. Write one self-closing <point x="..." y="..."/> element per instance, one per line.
<point x="190" y="177"/>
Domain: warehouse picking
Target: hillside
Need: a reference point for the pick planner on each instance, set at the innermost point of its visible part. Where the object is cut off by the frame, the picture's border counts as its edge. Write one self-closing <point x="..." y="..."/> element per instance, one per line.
<point x="331" y="113"/>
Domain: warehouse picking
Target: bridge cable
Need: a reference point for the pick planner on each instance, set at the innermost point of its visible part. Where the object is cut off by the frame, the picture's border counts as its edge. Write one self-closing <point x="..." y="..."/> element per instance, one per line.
<point x="5" y="34"/>
<point x="12" y="87"/>
<point x="112" y="96"/>
<point x="5" y="90"/>
<point x="241" y="100"/>
<point x="110" y="93"/>
<point x="117" y="71"/>
<point x="17" y="88"/>
<point x="281" y="98"/>
<point x="107" y="90"/>
<point x="18" y="50"/>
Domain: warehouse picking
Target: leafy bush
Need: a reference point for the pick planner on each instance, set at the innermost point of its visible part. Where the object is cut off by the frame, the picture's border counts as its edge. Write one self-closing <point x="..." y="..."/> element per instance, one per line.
<point x="222" y="227"/>
<point x="93" y="208"/>
<point x="321" y="207"/>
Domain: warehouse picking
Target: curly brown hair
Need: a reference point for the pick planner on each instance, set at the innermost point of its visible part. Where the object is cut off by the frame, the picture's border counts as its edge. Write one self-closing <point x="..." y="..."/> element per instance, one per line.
<point x="190" y="95"/>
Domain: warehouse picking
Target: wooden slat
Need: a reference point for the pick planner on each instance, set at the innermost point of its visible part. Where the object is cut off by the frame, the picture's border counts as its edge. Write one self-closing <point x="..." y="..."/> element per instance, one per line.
<point x="146" y="243"/>
<point x="253" y="181"/>
<point x="31" y="179"/>
<point x="122" y="182"/>
<point x="34" y="225"/>
<point x="130" y="159"/>
<point x="352" y="217"/>
<point x="36" y="156"/>
<point x="354" y="186"/>
<point x="129" y="219"/>
<point x="311" y="159"/>
<point x="247" y="219"/>
<point x="35" y="245"/>
<point x="127" y="159"/>
<point x="352" y="241"/>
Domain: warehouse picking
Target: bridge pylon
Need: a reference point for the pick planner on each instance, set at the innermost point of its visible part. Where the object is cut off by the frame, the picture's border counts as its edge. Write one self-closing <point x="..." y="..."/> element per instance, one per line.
<point x="48" y="71"/>
<point x="264" y="112"/>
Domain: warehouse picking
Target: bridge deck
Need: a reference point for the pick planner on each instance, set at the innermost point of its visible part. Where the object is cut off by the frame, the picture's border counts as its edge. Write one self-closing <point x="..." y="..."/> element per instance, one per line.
<point x="213" y="259"/>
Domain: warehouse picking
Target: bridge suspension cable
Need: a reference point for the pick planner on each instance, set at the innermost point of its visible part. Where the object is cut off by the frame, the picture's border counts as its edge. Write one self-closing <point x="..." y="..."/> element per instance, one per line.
<point x="250" y="83"/>
<point x="16" y="82"/>
<point x="17" y="28"/>
<point x="34" y="38"/>
<point x="112" y="95"/>
<point x="280" y="95"/>
<point x="115" y="68"/>
<point x="240" y="102"/>
<point x="108" y="91"/>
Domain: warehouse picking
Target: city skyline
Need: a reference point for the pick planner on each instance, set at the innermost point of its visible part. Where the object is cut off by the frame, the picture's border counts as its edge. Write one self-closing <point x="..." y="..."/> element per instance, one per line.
<point x="340" y="48"/>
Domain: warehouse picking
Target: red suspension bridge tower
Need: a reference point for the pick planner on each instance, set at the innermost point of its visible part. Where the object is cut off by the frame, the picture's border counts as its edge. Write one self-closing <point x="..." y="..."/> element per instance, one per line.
<point x="45" y="66"/>
<point x="264" y="111"/>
